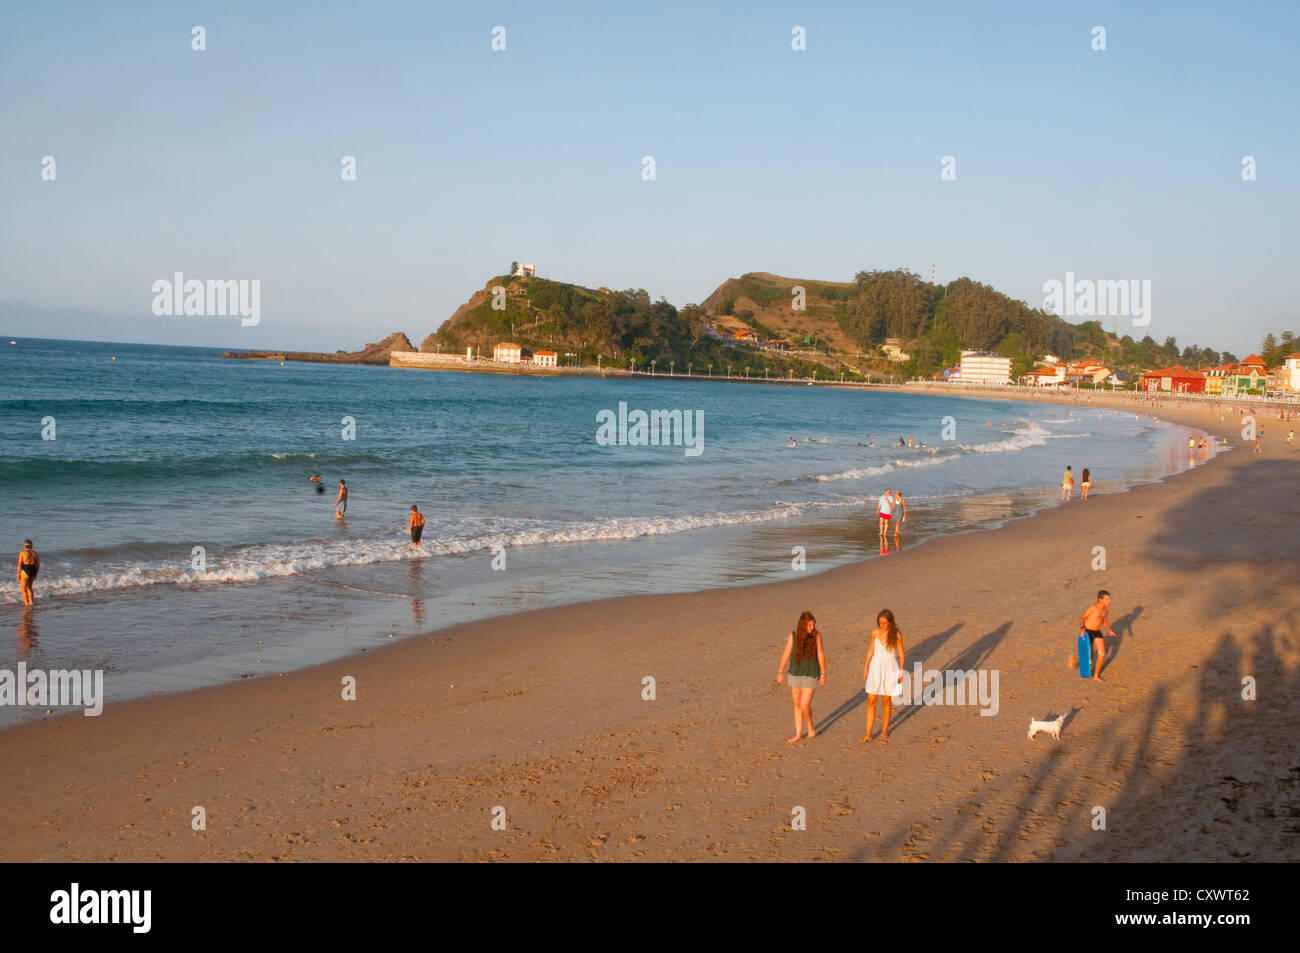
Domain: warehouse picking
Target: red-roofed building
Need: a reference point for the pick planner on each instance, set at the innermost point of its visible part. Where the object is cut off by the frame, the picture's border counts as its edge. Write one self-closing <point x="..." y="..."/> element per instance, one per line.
<point x="1176" y="379"/>
<point x="1046" y="376"/>
<point x="1250" y="374"/>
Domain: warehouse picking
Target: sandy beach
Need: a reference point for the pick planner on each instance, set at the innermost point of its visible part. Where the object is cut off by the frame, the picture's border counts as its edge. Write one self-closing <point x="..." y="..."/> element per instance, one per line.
<point x="542" y="714"/>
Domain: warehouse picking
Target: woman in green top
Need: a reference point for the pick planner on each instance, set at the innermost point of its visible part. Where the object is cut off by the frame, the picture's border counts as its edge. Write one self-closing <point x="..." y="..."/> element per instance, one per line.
<point x="807" y="669"/>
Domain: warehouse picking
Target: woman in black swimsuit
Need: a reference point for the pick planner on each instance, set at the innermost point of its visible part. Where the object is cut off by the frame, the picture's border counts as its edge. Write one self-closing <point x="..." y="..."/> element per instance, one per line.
<point x="29" y="564"/>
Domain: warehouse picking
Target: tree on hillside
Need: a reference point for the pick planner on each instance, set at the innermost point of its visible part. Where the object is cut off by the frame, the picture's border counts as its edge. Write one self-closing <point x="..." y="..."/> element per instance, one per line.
<point x="887" y="304"/>
<point x="514" y="266"/>
<point x="1275" y="352"/>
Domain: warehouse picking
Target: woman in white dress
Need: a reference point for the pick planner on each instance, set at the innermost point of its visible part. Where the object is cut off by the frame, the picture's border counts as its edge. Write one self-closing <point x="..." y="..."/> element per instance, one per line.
<point x="883" y="670"/>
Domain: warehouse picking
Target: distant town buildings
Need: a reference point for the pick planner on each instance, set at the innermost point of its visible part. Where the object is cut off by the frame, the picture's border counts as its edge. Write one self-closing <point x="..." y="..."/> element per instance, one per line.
<point x="984" y="367"/>
<point x="544" y="358"/>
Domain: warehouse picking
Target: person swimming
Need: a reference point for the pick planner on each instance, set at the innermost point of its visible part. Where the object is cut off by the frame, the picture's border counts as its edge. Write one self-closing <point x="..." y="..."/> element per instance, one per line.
<point x="315" y="480"/>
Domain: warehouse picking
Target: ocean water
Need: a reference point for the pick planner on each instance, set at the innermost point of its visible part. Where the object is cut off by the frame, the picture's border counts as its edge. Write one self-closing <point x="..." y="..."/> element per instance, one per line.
<point x="159" y="450"/>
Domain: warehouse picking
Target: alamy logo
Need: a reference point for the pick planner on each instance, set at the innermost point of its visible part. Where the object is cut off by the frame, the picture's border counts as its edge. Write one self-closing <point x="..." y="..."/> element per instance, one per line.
<point x="134" y="907"/>
<point x="57" y="688"/>
<point x="1085" y="298"/>
<point x="209" y="298"/>
<point x="658" y="428"/>
<point x="951" y="687"/>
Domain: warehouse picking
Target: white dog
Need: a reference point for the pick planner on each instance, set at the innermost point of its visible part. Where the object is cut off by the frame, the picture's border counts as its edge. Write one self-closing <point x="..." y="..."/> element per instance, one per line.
<point x="1053" y="728"/>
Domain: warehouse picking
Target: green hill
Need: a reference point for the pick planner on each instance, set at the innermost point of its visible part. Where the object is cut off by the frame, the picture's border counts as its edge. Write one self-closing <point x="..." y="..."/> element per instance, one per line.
<point x="619" y="327"/>
<point x="839" y="329"/>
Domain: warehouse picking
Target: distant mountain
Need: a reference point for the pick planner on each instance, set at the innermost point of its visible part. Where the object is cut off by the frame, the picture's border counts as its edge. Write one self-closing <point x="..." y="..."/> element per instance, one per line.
<point x="376" y="353"/>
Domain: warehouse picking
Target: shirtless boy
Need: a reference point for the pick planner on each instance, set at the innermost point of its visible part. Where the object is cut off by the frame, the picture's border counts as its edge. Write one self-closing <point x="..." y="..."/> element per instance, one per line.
<point x="1094" y="619"/>
<point x="416" y="526"/>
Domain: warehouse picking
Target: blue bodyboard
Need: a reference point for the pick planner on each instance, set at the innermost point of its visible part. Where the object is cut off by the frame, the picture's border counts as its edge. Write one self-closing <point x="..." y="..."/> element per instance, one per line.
<point x="1085" y="657"/>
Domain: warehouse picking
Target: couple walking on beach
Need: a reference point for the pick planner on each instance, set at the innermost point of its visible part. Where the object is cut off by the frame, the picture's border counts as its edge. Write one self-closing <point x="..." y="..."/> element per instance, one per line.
<point x="1067" y="484"/>
<point x="803" y="663"/>
<point x="891" y="509"/>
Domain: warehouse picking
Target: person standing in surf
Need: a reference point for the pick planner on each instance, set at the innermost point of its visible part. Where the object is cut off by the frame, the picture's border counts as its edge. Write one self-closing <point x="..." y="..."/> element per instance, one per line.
<point x="416" y="526"/>
<point x="1067" y="484"/>
<point x="341" y="504"/>
<point x="899" y="513"/>
<point x="1087" y="482"/>
<point x="806" y="663"/>
<point x="883" y="671"/>
<point x="29" y="564"/>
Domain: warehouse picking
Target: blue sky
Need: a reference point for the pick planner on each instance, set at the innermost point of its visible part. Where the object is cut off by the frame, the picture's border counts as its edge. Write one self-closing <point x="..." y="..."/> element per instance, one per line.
<point x="226" y="163"/>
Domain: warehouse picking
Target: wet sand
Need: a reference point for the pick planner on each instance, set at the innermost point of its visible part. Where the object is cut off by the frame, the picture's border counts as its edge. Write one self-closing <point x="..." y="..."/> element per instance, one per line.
<point x="542" y="714"/>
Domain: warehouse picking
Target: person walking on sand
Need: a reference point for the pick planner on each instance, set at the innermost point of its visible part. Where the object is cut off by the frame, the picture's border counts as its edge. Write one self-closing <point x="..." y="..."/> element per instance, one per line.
<point x="1094" y="619"/>
<point x="899" y="513"/>
<point x="416" y="526"/>
<point x="883" y="671"/>
<point x="29" y="564"/>
<point x="1086" y="482"/>
<point x="806" y="663"/>
<point x="1067" y="484"/>
<point x="341" y="504"/>
<point x="884" y="506"/>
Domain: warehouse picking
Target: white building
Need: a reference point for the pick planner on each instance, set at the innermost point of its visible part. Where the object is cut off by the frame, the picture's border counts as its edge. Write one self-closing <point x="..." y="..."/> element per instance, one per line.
<point x="1290" y="375"/>
<point x="893" y="348"/>
<point x="985" y="367"/>
<point x="506" y="353"/>
<point x="525" y="271"/>
<point x="544" y="358"/>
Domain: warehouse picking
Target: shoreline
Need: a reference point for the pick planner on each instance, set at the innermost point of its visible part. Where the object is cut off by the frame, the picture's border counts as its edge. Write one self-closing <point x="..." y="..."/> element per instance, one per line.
<point x="219" y="740"/>
<point x="830" y="529"/>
